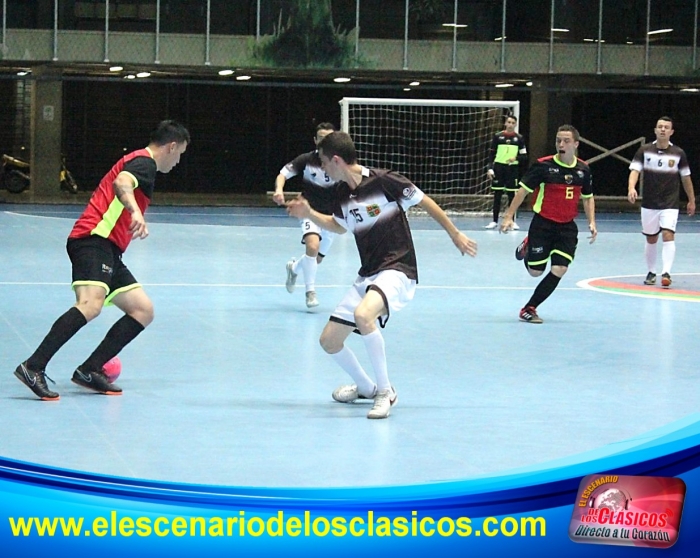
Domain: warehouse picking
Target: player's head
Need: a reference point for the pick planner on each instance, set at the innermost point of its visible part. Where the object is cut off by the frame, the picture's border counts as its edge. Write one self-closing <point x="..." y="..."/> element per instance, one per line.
<point x="567" y="142"/>
<point x="334" y="149"/>
<point x="511" y="123"/>
<point x="322" y="130"/>
<point x="168" y="141"/>
<point x="664" y="128"/>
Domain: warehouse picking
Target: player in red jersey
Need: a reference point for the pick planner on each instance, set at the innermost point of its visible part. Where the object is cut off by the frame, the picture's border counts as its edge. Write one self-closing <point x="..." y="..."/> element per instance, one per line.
<point x="113" y="217"/>
<point x="558" y="181"/>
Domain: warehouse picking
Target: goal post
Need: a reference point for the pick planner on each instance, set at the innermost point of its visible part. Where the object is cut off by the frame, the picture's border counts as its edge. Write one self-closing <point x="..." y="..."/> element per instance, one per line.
<point x="440" y="145"/>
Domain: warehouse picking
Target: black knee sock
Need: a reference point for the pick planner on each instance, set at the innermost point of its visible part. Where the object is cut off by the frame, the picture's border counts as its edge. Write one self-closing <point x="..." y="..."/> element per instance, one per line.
<point x="497" y="195"/>
<point x="544" y="289"/>
<point x="119" y="336"/>
<point x="60" y="333"/>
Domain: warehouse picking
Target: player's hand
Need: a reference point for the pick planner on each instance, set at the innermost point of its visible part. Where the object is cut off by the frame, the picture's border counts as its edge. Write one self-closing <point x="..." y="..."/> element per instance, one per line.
<point x="137" y="227"/>
<point x="465" y="244"/>
<point x="278" y="198"/>
<point x="594" y="233"/>
<point x="691" y="208"/>
<point x="490" y="174"/>
<point x="299" y="208"/>
<point x="506" y="224"/>
<point x="632" y="195"/>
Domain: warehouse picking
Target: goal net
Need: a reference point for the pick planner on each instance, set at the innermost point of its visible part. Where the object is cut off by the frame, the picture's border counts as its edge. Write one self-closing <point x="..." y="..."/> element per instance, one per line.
<point x="440" y="145"/>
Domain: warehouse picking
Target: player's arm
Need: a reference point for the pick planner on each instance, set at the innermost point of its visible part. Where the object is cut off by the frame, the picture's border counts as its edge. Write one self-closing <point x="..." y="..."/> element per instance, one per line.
<point x="589" y="210"/>
<point x="278" y="196"/>
<point x="463" y="243"/>
<point x="492" y="157"/>
<point x="518" y="199"/>
<point x="124" y="191"/>
<point x="301" y="209"/>
<point x="688" y="187"/>
<point x="632" y="185"/>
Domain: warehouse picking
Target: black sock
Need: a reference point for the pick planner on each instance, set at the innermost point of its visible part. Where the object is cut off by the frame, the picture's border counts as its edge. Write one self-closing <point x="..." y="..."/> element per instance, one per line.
<point x="119" y="336"/>
<point x="544" y="289"/>
<point x="60" y="333"/>
<point x="497" y="195"/>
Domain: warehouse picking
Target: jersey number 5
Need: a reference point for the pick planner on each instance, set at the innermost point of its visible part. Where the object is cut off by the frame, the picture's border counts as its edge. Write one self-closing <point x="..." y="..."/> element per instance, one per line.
<point x="357" y="215"/>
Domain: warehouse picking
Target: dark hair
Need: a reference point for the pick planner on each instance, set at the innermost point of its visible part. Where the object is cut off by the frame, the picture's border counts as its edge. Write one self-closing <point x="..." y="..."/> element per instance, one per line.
<point x="511" y="116"/>
<point x="340" y="144"/>
<point x="569" y="128"/>
<point x="326" y="126"/>
<point x="665" y="119"/>
<point x="169" y="131"/>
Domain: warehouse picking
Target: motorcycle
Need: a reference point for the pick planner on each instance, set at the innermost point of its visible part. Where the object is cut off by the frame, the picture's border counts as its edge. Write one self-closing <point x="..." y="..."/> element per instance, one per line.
<point x="14" y="176"/>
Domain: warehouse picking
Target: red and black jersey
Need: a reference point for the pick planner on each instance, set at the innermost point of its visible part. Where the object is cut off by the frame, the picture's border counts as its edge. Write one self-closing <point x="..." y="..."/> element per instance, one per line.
<point x="317" y="186"/>
<point x="105" y="215"/>
<point x="558" y="187"/>
<point x="375" y="213"/>
<point x="662" y="171"/>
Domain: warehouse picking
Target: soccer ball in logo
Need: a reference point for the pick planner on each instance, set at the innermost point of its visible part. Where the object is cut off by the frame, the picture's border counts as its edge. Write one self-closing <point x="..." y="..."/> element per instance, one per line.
<point x="612" y="498"/>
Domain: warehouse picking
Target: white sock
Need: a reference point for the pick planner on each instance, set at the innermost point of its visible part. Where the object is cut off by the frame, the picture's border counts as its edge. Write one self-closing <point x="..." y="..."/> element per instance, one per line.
<point x="309" y="267"/>
<point x="668" y="254"/>
<point x="374" y="342"/>
<point x="347" y="360"/>
<point x="650" y="256"/>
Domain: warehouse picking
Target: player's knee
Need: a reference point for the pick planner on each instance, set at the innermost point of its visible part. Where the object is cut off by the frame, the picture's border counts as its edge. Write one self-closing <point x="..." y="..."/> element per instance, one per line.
<point x="329" y="344"/>
<point x="143" y="313"/>
<point x="90" y="308"/>
<point x="559" y="270"/>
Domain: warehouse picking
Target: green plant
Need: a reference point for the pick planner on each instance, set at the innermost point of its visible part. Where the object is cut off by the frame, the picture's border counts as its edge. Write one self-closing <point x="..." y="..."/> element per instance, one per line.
<point x="308" y="39"/>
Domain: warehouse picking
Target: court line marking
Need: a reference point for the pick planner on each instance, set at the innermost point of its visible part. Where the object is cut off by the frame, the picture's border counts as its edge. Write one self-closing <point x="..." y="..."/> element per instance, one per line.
<point x="663" y="294"/>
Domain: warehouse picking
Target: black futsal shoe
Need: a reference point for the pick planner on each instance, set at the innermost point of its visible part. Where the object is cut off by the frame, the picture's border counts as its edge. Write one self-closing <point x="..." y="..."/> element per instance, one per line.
<point x="96" y="381"/>
<point x="36" y="381"/>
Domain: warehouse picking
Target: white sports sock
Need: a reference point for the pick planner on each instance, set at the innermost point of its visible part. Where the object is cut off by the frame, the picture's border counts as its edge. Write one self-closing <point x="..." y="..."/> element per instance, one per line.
<point x="347" y="360"/>
<point x="668" y="254"/>
<point x="374" y="342"/>
<point x="309" y="267"/>
<point x="650" y="256"/>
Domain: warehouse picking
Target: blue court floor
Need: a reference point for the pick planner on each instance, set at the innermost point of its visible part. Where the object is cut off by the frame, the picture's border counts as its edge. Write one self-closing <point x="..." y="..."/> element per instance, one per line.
<point x="229" y="385"/>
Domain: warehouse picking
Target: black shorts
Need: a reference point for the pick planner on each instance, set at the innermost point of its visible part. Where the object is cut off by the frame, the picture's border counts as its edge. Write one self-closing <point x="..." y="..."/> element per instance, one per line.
<point x="506" y="178"/>
<point x="548" y="240"/>
<point x="97" y="261"/>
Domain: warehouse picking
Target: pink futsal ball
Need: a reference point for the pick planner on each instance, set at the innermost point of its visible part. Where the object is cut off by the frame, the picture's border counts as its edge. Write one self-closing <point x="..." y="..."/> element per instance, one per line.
<point x="112" y="369"/>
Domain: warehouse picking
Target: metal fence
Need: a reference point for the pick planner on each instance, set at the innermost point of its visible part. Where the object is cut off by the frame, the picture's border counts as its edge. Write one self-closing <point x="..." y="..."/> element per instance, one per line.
<point x="629" y="37"/>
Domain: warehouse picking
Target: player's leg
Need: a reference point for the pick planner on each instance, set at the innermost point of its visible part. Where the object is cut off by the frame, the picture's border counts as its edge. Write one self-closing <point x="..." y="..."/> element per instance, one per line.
<point x="651" y="227"/>
<point x="131" y="299"/>
<point x="92" y="262"/>
<point x="389" y="292"/>
<point x="497" y="190"/>
<point x="668" y="221"/>
<point x="327" y="239"/>
<point x="560" y="241"/>
<point x="511" y="188"/>
<point x="337" y="330"/>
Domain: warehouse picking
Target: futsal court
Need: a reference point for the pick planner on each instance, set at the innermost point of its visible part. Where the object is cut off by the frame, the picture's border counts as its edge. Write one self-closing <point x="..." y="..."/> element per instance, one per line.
<point x="229" y="385"/>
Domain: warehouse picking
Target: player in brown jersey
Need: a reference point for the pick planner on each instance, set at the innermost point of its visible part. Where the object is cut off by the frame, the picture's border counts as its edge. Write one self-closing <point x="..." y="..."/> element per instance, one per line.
<point x="371" y="203"/>
<point x="317" y="190"/>
<point x="113" y="217"/>
<point x="664" y="167"/>
<point x="508" y="155"/>
<point x="558" y="182"/>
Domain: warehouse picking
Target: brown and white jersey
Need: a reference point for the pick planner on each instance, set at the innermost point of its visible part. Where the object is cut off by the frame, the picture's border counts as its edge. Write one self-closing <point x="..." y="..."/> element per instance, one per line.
<point x="317" y="186"/>
<point x="662" y="170"/>
<point x="375" y="212"/>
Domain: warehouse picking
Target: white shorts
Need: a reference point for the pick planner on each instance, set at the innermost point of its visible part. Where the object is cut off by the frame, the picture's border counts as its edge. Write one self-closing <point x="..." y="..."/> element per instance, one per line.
<point x="327" y="237"/>
<point x="654" y="220"/>
<point x="396" y="289"/>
